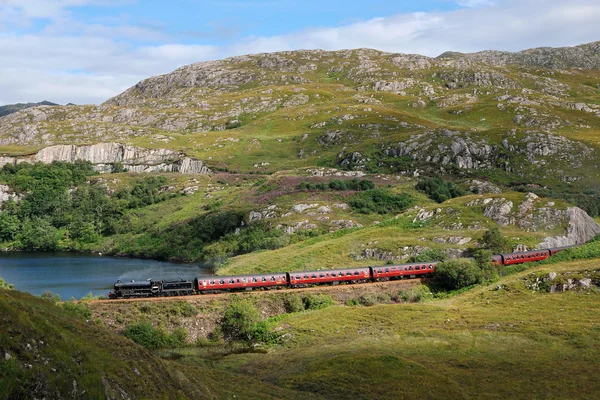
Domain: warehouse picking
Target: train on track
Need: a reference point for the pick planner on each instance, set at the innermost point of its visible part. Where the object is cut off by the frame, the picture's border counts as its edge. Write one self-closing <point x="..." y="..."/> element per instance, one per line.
<point x="279" y="280"/>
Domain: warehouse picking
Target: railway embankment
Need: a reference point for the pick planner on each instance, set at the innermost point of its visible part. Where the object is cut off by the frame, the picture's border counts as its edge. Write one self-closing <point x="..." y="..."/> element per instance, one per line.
<point x="199" y="315"/>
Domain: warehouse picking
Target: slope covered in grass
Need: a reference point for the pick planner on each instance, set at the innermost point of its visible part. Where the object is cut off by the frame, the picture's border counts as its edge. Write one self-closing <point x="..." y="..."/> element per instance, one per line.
<point x="495" y="341"/>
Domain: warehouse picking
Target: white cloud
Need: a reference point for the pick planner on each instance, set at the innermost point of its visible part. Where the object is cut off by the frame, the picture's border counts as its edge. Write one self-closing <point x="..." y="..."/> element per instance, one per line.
<point x="90" y="63"/>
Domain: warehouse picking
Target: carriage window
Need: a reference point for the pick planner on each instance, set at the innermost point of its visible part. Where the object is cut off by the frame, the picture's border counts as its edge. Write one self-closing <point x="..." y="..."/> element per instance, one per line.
<point x="387" y="270"/>
<point x="222" y="282"/>
<point x="380" y="270"/>
<point x="417" y="268"/>
<point x="254" y="280"/>
<point x="263" y="279"/>
<point x="356" y="273"/>
<point x="321" y="275"/>
<point x="244" y="280"/>
<point x="410" y="268"/>
<point x="212" y="282"/>
<point x="272" y="279"/>
<point x="297" y="276"/>
<point x="431" y="267"/>
<point x="305" y="276"/>
<point x="314" y="275"/>
<point x="333" y="274"/>
<point x="393" y="268"/>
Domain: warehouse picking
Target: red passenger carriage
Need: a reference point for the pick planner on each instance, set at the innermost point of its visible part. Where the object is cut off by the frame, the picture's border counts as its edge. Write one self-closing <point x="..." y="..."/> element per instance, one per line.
<point x="247" y="282"/>
<point x="385" y="272"/>
<point x="305" y="278"/>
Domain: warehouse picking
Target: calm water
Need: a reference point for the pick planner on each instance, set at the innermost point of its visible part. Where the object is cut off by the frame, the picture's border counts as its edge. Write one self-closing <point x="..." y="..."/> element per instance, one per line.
<point x="75" y="275"/>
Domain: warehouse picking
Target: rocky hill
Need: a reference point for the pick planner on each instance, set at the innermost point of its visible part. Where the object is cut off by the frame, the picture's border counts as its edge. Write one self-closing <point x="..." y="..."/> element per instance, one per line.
<point x="259" y="125"/>
<point x="12" y="108"/>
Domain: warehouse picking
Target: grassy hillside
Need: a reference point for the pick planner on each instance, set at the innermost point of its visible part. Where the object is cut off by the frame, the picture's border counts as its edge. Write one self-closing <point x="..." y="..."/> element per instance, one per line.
<point x="497" y="341"/>
<point x="51" y="352"/>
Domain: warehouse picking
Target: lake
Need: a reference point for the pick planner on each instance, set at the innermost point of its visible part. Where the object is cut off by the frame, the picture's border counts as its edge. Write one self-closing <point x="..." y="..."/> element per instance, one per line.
<point x="76" y="275"/>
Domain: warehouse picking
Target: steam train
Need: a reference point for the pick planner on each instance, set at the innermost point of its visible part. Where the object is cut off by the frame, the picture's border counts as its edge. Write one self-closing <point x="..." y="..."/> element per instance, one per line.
<point x="279" y="280"/>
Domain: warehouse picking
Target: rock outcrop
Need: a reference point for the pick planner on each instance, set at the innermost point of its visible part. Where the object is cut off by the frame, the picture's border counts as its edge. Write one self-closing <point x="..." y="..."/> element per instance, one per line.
<point x="7" y="194"/>
<point x="104" y="155"/>
<point x="581" y="228"/>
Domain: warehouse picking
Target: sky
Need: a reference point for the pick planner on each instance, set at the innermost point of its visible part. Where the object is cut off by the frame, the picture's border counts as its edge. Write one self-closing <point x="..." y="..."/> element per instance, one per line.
<point x="86" y="51"/>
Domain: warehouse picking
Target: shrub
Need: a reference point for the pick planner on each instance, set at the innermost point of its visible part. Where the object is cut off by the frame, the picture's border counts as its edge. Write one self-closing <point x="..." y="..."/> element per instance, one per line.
<point x="456" y="274"/>
<point x="6" y="285"/>
<point x="438" y="189"/>
<point x="317" y="301"/>
<point x="380" y="201"/>
<point x="353" y="302"/>
<point x="240" y="320"/>
<point x="415" y="294"/>
<point x="293" y="303"/>
<point x="368" y="299"/>
<point x="483" y="259"/>
<point x="429" y="255"/>
<point x="79" y="309"/>
<point x="494" y="241"/>
<point x="146" y="335"/>
<point x="48" y="295"/>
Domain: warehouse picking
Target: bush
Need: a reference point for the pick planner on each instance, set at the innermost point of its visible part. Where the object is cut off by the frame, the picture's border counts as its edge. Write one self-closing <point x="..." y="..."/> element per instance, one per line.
<point x="415" y="294"/>
<point x="240" y="321"/>
<point x="79" y="309"/>
<point x="317" y="301"/>
<point x="353" y="302"/>
<point x="6" y="285"/>
<point x="380" y="201"/>
<point x="456" y="274"/>
<point x="483" y="259"/>
<point x="293" y="303"/>
<point x="438" y="189"/>
<point x="368" y="299"/>
<point x="494" y="241"/>
<point x="429" y="255"/>
<point x="48" y="295"/>
<point x="338" y="184"/>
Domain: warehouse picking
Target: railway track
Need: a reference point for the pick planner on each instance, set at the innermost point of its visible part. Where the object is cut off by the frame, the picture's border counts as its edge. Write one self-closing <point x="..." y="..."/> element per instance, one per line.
<point x="399" y="284"/>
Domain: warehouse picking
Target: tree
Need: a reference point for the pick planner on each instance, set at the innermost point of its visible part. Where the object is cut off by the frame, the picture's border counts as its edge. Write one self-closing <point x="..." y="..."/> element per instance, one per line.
<point x="456" y="274"/>
<point x="438" y="189"/>
<point x="38" y="234"/>
<point x="483" y="259"/>
<point x="494" y="241"/>
<point x="240" y="320"/>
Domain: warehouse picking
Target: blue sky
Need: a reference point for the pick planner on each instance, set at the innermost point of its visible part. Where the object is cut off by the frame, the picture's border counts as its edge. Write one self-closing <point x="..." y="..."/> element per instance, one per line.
<point x="85" y="51"/>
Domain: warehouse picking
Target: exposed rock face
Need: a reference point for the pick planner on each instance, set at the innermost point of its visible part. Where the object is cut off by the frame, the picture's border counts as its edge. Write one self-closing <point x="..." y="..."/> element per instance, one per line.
<point x="580" y="229"/>
<point x="583" y="56"/>
<point x="448" y="148"/>
<point x="103" y="155"/>
<point x="6" y="194"/>
<point x="499" y="210"/>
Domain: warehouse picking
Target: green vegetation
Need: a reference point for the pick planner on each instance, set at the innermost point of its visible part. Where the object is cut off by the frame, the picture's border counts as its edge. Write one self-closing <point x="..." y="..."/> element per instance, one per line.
<point x="146" y="335"/>
<point x="60" y="209"/>
<point x="380" y="201"/>
<point x="242" y="321"/>
<point x="336" y="184"/>
<point x="438" y="189"/>
<point x="6" y="285"/>
<point x="494" y="241"/>
<point x="471" y="343"/>
<point x="456" y="274"/>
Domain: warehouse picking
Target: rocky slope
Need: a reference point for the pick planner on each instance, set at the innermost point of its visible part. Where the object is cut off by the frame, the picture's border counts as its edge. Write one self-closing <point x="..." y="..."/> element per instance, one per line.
<point x="528" y="116"/>
<point x="494" y="122"/>
<point x="12" y="108"/>
<point x="104" y="155"/>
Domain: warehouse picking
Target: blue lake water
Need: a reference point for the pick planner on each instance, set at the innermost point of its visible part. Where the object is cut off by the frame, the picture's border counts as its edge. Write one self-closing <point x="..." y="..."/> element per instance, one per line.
<point x="76" y="275"/>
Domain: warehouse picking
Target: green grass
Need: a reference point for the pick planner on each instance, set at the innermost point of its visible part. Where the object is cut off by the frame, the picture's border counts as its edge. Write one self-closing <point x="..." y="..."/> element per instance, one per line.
<point x="485" y="343"/>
